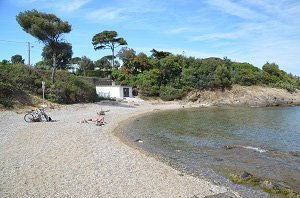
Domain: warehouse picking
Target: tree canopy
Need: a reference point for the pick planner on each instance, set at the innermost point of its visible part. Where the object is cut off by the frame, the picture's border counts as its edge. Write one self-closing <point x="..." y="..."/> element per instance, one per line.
<point x="47" y="28"/>
<point x="63" y="54"/>
<point x="17" y="59"/>
<point x="108" y="40"/>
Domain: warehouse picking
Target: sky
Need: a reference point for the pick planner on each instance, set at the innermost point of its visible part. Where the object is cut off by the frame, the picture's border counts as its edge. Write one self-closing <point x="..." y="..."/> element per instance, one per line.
<point x="253" y="31"/>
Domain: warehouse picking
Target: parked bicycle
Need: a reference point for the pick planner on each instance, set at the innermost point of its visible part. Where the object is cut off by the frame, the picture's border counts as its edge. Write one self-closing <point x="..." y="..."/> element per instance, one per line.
<point x="37" y="115"/>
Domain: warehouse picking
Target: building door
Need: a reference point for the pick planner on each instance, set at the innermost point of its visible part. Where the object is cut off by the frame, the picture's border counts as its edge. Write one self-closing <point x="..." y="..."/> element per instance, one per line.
<point x="125" y="92"/>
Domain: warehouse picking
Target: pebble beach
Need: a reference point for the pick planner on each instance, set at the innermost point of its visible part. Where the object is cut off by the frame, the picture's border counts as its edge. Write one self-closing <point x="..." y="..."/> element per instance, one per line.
<point x="66" y="158"/>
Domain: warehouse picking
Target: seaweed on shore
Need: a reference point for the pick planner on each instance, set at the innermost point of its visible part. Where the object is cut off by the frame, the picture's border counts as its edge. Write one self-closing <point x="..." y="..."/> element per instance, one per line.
<point x="266" y="185"/>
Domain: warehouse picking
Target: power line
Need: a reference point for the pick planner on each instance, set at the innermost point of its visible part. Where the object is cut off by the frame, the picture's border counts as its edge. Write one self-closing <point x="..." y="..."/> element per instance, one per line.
<point x="13" y="41"/>
<point x="23" y="42"/>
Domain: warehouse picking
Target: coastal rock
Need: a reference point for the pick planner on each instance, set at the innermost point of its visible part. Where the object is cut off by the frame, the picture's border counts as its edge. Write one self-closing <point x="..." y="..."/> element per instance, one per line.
<point x="246" y="175"/>
<point x="269" y="186"/>
<point x="252" y="96"/>
<point x="279" y="188"/>
<point x="266" y="185"/>
<point x="229" y="147"/>
<point x="218" y="159"/>
<point x="245" y="178"/>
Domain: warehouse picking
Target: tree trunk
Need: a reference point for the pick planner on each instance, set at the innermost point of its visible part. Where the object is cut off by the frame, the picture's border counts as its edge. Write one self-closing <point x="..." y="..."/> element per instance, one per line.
<point x="113" y="56"/>
<point x="53" y="67"/>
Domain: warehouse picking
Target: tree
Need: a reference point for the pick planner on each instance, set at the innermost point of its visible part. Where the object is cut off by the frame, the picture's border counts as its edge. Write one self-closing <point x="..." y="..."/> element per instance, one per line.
<point x="63" y="54"/>
<point x="159" y="54"/>
<point x="86" y="64"/>
<point x="141" y="62"/>
<point x="17" y="59"/>
<point x="222" y="77"/>
<point x="272" y="69"/>
<point x="170" y="69"/>
<point x="103" y="64"/>
<point x="47" y="28"/>
<point x="108" y="40"/>
<point x="126" y="55"/>
<point x="149" y="82"/>
<point x="41" y="65"/>
<point x="75" y="60"/>
<point x="5" y="62"/>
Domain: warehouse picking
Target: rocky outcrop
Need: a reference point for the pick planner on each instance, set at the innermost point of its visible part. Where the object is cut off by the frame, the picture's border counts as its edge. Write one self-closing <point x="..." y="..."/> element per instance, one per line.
<point x="253" y="96"/>
<point x="266" y="185"/>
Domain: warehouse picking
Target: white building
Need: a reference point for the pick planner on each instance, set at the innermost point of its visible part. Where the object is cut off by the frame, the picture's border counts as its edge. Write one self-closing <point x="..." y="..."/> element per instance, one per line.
<point x="114" y="91"/>
<point x="105" y="87"/>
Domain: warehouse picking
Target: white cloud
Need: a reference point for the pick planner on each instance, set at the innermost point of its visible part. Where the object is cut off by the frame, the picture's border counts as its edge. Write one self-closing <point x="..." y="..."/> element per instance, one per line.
<point x="73" y="5"/>
<point x="235" y="9"/>
<point x="62" y="5"/>
<point x="178" y="30"/>
<point x="134" y="11"/>
<point x="106" y="15"/>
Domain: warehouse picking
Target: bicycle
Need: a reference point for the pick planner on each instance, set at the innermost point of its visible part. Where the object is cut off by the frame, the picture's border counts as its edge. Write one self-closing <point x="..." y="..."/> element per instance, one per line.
<point x="37" y="115"/>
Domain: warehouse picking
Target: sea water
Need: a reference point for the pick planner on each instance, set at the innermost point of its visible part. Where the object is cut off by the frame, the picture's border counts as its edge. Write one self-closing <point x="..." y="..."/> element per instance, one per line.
<point x="262" y="141"/>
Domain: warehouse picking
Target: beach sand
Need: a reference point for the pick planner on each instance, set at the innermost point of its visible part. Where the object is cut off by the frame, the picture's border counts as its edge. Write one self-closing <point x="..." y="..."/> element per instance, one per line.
<point x="70" y="159"/>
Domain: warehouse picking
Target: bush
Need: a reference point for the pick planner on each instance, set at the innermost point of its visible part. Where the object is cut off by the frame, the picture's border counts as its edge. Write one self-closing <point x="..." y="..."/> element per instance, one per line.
<point x="148" y="85"/>
<point x="285" y="85"/>
<point x="69" y="89"/>
<point x="18" y="80"/>
<point x="168" y="93"/>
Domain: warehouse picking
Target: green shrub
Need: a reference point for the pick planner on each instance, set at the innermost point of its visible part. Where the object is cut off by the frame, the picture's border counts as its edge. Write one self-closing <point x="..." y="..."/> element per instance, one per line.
<point x="17" y="80"/>
<point x="168" y="93"/>
<point x="69" y="89"/>
<point x="285" y="85"/>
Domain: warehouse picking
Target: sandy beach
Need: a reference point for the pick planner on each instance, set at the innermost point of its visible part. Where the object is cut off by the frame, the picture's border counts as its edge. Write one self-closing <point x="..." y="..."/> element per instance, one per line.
<point x="70" y="159"/>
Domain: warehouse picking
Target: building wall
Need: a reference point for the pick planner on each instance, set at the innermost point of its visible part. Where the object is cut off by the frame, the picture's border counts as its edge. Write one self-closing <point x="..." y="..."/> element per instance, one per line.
<point x="112" y="91"/>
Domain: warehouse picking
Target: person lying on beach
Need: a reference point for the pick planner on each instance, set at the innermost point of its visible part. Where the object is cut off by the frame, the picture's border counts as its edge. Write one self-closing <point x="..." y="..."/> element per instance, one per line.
<point x="99" y="120"/>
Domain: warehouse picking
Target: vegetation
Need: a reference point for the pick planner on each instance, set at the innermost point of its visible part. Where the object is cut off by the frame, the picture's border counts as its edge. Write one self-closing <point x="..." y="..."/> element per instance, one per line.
<point x="47" y="28"/>
<point x="17" y="59"/>
<point x="162" y="74"/>
<point x="108" y="40"/>
<point x="17" y="81"/>
<point x="171" y="76"/>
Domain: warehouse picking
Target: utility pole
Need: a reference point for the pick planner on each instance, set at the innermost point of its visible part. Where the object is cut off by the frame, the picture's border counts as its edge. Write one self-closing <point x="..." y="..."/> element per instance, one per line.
<point x="28" y="53"/>
<point x="28" y="44"/>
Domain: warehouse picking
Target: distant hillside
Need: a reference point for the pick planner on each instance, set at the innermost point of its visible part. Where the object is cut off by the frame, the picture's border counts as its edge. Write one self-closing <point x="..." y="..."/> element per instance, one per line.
<point x="166" y="76"/>
<point x="172" y="77"/>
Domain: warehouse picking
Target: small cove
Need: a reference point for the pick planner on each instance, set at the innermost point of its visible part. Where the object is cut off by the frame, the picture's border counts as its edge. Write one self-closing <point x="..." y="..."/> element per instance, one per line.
<point x="265" y="141"/>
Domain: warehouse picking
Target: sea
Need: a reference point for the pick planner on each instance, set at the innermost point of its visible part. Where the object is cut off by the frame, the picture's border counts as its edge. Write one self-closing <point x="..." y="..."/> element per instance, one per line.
<point x="262" y="141"/>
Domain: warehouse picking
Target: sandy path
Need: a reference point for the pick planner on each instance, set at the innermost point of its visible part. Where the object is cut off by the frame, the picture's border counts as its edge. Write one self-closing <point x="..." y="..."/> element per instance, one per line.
<point x="68" y="159"/>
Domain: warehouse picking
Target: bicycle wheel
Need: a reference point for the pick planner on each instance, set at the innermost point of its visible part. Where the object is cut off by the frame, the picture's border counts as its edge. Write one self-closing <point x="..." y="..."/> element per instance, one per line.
<point x="44" y="118"/>
<point x="28" y="117"/>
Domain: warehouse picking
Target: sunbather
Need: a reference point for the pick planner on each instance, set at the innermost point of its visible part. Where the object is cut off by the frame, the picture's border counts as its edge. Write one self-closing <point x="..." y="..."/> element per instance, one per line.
<point x="99" y="120"/>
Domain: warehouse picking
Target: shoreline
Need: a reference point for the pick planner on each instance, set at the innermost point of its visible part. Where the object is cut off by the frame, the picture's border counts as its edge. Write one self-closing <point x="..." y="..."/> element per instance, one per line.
<point x="66" y="158"/>
<point x="213" y="176"/>
<point x="63" y="157"/>
<point x="241" y="190"/>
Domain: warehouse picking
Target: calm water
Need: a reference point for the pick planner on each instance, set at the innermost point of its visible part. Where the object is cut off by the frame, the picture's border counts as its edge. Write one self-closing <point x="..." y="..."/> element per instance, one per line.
<point x="266" y="140"/>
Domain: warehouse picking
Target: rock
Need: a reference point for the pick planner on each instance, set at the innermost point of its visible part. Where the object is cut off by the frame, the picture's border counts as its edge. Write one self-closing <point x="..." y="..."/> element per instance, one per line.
<point x="218" y="159"/>
<point x="229" y="147"/>
<point x="269" y="186"/>
<point x="245" y="178"/>
<point x="246" y="175"/>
